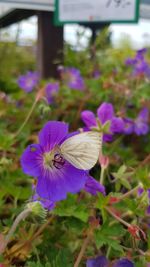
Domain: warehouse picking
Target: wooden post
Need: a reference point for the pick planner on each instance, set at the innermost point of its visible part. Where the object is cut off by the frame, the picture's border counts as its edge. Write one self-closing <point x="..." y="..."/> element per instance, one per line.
<point x="50" y="45"/>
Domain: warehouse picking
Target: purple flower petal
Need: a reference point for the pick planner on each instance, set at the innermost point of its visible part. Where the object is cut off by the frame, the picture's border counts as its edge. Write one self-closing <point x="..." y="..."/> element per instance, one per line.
<point x="52" y="134"/>
<point x="55" y="184"/>
<point x="105" y="112"/>
<point x="88" y="118"/>
<point x="128" y="126"/>
<point x="51" y="90"/>
<point x="107" y="138"/>
<point x="93" y="187"/>
<point x="100" y="261"/>
<point x="143" y="115"/>
<point x="148" y="210"/>
<point x="32" y="160"/>
<point x="140" y="128"/>
<point x="140" y="191"/>
<point x="130" y="61"/>
<point x="117" y="125"/>
<point x="124" y="263"/>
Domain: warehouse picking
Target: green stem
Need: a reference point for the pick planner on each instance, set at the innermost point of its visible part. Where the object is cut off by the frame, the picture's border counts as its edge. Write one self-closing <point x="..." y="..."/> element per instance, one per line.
<point x="26" y="119"/>
<point x="108" y="252"/>
<point x="102" y="176"/>
<point x="131" y="192"/>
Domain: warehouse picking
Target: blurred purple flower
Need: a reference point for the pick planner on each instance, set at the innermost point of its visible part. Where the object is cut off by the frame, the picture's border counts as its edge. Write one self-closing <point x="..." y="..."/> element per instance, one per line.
<point x="51" y="90"/>
<point x="72" y="77"/>
<point x="130" y="61"/>
<point x="93" y="187"/>
<point x="140" y="191"/>
<point x="141" y="122"/>
<point x="148" y="192"/>
<point x="105" y="113"/>
<point x="128" y="126"/>
<point x="96" y="74"/>
<point x="55" y="176"/>
<point x="139" y="64"/>
<point x="101" y="261"/>
<point x="124" y="263"/>
<point x="140" y="53"/>
<point x="28" y="81"/>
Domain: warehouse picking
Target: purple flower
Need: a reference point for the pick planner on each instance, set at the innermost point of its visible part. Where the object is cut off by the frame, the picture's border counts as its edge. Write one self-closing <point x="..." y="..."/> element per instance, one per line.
<point x="105" y="113"/>
<point x="141" y="123"/>
<point x="130" y="61"/>
<point x="100" y="261"/>
<point x="128" y="126"/>
<point x="55" y="176"/>
<point x="28" y="81"/>
<point x="96" y="74"/>
<point x="124" y="263"/>
<point x="140" y="53"/>
<point x="139" y="64"/>
<point x="140" y="191"/>
<point x="148" y="192"/>
<point x="72" y="77"/>
<point x="51" y="90"/>
<point x="93" y="187"/>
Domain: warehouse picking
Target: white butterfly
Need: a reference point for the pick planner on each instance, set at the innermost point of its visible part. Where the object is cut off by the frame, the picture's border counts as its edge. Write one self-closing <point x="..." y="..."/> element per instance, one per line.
<point x="82" y="150"/>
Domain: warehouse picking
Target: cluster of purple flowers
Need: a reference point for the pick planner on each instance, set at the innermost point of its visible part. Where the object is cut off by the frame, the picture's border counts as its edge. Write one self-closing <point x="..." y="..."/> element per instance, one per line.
<point x="139" y="63"/>
<point x="55" y="176"/>
<point x="28" y="81"/>
<point x="72" y="78"/>
<point x="101" y="261"/>
<point x="118" y="125"/>
<point x="139" y="126"/>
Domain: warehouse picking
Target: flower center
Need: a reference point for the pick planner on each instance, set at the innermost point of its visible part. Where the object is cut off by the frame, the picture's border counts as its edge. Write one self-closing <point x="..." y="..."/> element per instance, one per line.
<point x="53" y="159"/>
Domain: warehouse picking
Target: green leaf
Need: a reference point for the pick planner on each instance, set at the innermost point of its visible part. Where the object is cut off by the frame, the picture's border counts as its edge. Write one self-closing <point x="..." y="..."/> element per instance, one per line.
<point x="70" y="207"/>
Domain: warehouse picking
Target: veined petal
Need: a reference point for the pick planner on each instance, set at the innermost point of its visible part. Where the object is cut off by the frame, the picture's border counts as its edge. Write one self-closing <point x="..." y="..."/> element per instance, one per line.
<point x="88" y="117"/>
<point x="32" y="160"/>
<point x="105" y="112"/>
<point x="52" y="134"/>
<point x="56" y="183"/>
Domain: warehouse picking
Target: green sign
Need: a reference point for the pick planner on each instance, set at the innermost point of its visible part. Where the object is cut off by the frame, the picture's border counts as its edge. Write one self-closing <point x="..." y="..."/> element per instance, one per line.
<point x="86" y="11"/>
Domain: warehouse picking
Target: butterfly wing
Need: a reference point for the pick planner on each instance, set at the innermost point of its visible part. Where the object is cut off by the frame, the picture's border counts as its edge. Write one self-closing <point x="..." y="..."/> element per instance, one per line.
<point x="82" y="150"/>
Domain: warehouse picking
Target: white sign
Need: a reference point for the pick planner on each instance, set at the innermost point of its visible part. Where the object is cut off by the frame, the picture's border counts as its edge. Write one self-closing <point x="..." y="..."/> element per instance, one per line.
<point x="96" y="10"/>
<point x="47" y="5"/>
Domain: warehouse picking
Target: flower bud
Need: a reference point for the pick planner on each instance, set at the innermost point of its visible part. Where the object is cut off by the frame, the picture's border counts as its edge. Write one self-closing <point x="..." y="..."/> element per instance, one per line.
<point x="37" y="209"/>
<point x="104" y="161"/>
